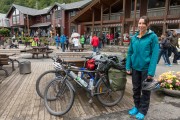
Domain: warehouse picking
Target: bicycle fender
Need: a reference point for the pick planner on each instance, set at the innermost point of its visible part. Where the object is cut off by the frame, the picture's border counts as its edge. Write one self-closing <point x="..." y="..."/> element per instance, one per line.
<point x="72" y="87"/>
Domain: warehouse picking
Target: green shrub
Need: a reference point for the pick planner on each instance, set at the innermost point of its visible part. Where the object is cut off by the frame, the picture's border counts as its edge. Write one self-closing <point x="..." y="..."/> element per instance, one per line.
<point x="4" y="31"/>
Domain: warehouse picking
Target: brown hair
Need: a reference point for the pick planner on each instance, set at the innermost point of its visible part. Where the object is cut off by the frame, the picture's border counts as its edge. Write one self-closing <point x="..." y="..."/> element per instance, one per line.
<point x="146" y="19"/>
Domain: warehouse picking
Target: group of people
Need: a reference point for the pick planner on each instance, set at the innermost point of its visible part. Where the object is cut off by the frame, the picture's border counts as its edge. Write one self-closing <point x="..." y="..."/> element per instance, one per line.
<point x="61" y="41"/>
<point x="168" y="45"/>
<point x="64" y="42"/>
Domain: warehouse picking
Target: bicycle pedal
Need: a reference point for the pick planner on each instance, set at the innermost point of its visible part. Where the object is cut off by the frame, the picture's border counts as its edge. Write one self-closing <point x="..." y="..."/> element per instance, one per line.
<point x="90" y="101"/>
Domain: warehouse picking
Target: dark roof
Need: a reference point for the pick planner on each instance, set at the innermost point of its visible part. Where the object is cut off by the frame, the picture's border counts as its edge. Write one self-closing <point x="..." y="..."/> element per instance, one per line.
<point x="74" y="5"/>
<point x="85" y="15"/>
<point x="29" y="11"/>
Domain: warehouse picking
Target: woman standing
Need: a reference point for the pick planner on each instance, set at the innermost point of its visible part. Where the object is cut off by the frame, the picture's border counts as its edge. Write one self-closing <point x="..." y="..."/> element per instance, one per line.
<point x="142" y="58"/>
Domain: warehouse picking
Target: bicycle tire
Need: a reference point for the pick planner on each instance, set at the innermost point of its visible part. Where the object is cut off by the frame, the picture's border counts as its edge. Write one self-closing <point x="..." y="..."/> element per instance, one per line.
<point x="103" y="91"/>
<point x="41" y="82"/>
<point x="55" y="107"/>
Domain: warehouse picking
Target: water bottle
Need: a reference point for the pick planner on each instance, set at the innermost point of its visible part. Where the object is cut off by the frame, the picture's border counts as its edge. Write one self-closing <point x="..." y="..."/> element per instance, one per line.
<point x="91" y="84"/>
<point x="81" y="81"/>
<point x="110" y="81"/>
<point x="73" y="75"/>
<point x="79" y="74"/>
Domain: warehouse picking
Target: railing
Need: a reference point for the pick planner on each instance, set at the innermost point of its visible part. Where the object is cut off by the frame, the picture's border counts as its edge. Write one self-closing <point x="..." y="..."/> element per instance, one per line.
<point x="174" y="10"/>
<point x="153" y="12"/>
<point x="113" y="16"/>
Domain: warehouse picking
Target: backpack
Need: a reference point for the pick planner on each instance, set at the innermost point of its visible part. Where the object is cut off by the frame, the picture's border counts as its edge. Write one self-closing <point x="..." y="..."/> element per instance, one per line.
<point x="166" y="44"/>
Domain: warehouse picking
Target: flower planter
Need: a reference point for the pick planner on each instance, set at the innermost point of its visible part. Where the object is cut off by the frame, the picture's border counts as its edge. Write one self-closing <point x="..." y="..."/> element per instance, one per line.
<point x="173" y="93"/>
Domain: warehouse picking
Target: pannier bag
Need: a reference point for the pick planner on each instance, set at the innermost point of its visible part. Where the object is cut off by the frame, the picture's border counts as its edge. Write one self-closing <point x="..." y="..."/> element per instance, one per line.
<point x="90" y="64"/>
<point x="117" y="79"/>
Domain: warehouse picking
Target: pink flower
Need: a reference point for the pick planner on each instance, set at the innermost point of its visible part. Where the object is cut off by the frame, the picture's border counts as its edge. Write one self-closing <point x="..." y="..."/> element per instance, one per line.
<point x="169" y="81"/>
<point x="178" y="84"/>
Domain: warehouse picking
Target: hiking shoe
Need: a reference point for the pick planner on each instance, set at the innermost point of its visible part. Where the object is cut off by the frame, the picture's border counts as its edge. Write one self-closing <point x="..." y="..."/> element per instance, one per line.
<point x="140" y="116"/>
<point x="133" y="111"/>
<point x="169" y="65"/>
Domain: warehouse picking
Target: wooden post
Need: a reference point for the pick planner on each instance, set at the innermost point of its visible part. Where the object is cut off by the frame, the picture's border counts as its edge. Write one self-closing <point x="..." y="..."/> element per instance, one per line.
<point x="28" y="24"/>
<point x="101" y="20"/>
<point x="109" y="12"/>
<point x="134" y="21"/>
<point x="165" y="15"/>
<point x="92" y="22"/>
<point x="143" y="7"/>
<point x="123" y="21"/>
<point x="54" y="27"/>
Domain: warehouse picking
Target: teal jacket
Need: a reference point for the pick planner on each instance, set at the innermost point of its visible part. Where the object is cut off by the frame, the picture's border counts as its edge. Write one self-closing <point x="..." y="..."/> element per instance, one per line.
<point x="143" y="53"/>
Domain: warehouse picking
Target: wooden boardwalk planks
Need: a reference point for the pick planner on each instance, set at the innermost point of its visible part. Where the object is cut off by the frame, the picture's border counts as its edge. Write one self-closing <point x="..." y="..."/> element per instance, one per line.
<point x="19" y="100"/>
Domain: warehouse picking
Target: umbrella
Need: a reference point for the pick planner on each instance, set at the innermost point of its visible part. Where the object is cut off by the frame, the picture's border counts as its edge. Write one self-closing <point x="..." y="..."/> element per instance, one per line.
<point x="75" y="35"/>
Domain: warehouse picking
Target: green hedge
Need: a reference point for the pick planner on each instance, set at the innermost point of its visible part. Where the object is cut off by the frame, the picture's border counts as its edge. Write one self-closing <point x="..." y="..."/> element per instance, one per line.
<point x="4" y="32"/>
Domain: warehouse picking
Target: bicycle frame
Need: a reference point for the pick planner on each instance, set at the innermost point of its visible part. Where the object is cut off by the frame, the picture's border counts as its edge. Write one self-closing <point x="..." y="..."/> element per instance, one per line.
<point x="83" y="70"/>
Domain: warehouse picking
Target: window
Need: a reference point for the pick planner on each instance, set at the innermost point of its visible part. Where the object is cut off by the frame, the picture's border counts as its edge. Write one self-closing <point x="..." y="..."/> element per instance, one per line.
<point x="73" y="13"/>
<point x="48" y="18"/>
<point x="58" y="14"/>
<point x="156" y="3"/>
<point x="14" y="20"/>
<point x="16" y="17"/>
<point x="72" y="29"/>
<point x="137" y="5"/>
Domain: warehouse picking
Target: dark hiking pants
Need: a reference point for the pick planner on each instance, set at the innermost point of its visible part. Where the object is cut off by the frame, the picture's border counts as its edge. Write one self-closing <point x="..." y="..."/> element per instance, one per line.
<point x="141" y="97"/>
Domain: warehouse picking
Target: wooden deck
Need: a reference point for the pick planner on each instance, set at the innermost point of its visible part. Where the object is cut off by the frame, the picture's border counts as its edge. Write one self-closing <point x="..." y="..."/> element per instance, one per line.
<point x="19" y="100"/>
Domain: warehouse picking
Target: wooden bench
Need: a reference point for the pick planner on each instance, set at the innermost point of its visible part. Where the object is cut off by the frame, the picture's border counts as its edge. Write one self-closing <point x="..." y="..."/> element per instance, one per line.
<point x="47" y="52"/>
<point x="4" y="60"/>
<point x="76" y="49"/>
<point x="73" y="54"/>
<point x="79" y="62"/>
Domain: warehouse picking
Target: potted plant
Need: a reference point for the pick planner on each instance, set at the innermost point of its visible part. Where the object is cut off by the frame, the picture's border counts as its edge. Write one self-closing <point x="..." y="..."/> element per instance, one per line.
<point x="170" y="83"/>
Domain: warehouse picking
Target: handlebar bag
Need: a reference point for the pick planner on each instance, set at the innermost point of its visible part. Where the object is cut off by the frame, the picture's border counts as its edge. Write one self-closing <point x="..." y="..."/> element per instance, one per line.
<point x="90" y="64"/>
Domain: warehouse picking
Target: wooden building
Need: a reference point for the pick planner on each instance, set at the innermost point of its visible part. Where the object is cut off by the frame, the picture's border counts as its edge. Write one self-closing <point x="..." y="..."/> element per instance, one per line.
<point x="62" y="13"/>
<point x="121" y="16"/>
<point x="24" y="20"/>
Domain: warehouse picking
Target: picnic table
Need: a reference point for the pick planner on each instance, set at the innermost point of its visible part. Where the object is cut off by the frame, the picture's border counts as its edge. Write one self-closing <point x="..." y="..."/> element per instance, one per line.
<point x="79" y="62"/>
<point x="5" y="60"/>
<point x="39" y="50"/>
<point x="76" y="49"/>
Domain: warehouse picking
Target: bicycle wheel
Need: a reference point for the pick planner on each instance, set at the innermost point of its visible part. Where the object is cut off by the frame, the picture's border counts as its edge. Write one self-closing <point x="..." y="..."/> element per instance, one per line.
<point x="106" y="95"/>
<point x="63" y="97"/>
<point x="44" y="79"/>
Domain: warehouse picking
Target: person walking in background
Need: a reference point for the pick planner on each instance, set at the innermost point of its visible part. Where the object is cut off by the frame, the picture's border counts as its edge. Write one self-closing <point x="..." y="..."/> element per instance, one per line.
<point x="82" y="41"/>
<point x="34" y="43"/>
<point x="36" y="39"/>
<point x="76" y="42"/>
<point x="57" y="40"/>
<point x="1" y="41"/>
<point x="174" y="43"/>
<point x="62" y="41"/>
<point x="142" y="58"/>
<point x="103" y="39"/>
<point x="67" y="42"/>
<point x="107" y="38"/>
<point x="164" y="50"/>
<point x="95" y="42"/>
